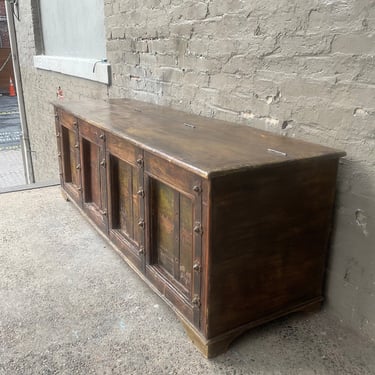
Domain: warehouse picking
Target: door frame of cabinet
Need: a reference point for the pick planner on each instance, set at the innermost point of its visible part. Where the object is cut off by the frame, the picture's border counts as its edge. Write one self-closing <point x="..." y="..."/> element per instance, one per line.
<point x="65" y="123"/>
<point x="123" y="151"/>
<point x="90" y="135"/>
<point x="189" y="185"/>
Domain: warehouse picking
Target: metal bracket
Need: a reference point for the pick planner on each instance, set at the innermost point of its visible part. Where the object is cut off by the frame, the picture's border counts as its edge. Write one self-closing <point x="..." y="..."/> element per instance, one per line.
<point x="198" y="228"/>
<point x="140" y="162"/>
<point x="197" y="189"/>
<point x="141" y="223"/>
<point x="141" y="193"/>
<point x="197" y="266"/>
<point x="196" y="301"/>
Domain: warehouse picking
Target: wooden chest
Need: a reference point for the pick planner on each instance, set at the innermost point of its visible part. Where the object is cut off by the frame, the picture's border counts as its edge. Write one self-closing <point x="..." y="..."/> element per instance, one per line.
<point x="228" y="224"/>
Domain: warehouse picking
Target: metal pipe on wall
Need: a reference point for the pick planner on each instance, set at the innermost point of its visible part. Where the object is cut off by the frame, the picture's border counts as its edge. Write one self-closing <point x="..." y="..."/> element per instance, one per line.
<point x="25" y="145"/>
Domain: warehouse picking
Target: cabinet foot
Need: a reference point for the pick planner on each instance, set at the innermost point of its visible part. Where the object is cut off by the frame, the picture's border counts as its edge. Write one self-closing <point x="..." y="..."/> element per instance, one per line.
<point x="215" y="346"/>
<point x="209" y="348"/>
<point x="65" y="195"/>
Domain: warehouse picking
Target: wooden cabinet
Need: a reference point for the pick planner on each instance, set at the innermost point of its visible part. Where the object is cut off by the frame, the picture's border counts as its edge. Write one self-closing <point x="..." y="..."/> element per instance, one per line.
<point x="228" y="224"/>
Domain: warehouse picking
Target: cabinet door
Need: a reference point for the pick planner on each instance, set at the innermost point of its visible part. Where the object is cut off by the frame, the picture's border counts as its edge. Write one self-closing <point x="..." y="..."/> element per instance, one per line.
<point x="93" y="165"/>
<point x="126" y="198"/>
<point x="175" y="234"/>
<point x="69" y="154"/>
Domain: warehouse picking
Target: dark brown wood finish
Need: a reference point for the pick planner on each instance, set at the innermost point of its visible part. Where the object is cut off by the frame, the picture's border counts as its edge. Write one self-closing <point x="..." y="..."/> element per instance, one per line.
<point x="126" y="198"/>
<point x="207" y="147"/>
<point x="270" y="243"/>
<point x="173" y="246"/>
<point x="228" y="224"/>
<point x="93" y="173"/>
<point x="69" y="154"/>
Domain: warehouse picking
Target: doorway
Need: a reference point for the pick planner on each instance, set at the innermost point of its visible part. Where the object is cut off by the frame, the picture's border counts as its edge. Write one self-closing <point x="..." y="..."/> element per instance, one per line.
<point x="15" y="155"/>
<point x="11" y="163"/>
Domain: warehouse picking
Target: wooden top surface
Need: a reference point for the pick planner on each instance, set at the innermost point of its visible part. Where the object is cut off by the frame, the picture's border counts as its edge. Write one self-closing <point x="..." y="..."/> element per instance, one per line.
<point x="204" y="145"/>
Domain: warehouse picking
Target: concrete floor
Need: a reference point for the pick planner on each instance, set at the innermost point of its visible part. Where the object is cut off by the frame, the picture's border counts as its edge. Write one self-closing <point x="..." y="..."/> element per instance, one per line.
<point x="11" y="169"/>
<point x="70" y="305"/>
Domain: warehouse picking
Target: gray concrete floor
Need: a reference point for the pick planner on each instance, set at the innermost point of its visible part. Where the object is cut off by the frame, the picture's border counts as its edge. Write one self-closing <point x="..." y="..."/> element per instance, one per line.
<point x="70" y="305"/>
<point x="11" y="168"/>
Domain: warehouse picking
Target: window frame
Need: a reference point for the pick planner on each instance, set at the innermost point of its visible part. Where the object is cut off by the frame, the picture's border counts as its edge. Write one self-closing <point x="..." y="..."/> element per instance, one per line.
<point x="98" y="70"/>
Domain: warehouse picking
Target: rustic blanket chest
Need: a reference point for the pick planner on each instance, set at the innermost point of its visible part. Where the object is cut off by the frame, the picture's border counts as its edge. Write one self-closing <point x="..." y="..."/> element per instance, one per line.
<point x="228" y="224"/>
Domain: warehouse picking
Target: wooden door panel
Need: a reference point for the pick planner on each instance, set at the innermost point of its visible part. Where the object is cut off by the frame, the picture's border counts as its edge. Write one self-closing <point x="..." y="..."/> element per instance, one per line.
<point x="126" y="206"/>
<point x="171" y="238"/>
<point x="93" y="164"/>
<point x="91" y="173"/>
<point x="128" y="201"/>
<point x="163" y="223"/>
<point x="70" y="161"/>
<point x="125" y="210"/>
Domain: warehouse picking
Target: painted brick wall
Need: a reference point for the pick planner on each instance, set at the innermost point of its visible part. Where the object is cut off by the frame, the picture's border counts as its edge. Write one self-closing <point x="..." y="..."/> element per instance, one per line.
<point x="301" y="69"/>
